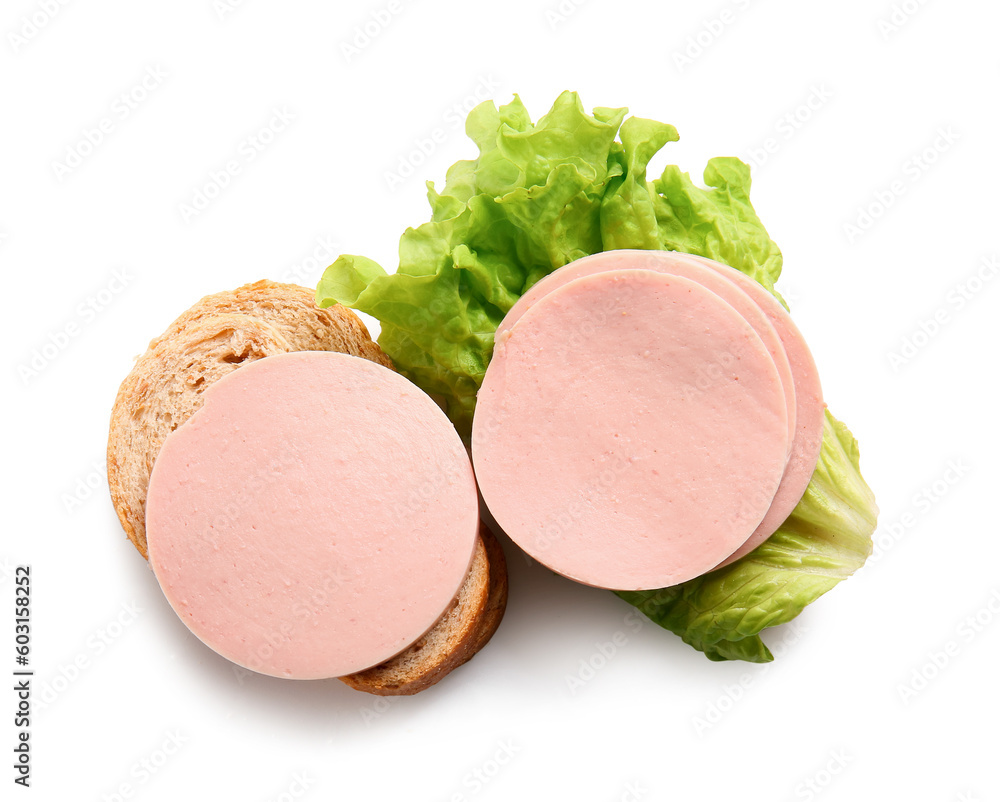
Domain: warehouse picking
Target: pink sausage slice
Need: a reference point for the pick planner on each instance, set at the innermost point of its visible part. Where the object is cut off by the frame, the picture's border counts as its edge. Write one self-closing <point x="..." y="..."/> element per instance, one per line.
<point x="314" y="518"/>
<point x="809" y="408"/>
<point x="675" y="264"/>
<point x="630" y="431"/>
<point x="799" y="375"/>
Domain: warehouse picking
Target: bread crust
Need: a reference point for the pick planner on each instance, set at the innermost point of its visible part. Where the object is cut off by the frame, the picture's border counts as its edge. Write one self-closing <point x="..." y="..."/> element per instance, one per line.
<point x="459" y="634"/>
<point x="292" y="311"/>
<point x="496" y="602"/>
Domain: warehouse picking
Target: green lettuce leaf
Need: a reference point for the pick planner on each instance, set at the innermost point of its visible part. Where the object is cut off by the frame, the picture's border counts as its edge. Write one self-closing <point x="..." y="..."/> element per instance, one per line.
<point x="717" y="222"/>
<point x="825" y="540"/>
<point x="538" y="196"/>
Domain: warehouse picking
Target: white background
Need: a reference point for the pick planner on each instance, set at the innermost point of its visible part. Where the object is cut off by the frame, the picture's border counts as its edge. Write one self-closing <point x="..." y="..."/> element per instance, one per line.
<point x="904" y="109"/>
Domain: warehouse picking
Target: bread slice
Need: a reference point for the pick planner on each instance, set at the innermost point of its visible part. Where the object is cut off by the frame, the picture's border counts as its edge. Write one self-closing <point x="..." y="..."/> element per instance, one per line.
<point x="213" y="338"/>
<point x="462" y="631"/>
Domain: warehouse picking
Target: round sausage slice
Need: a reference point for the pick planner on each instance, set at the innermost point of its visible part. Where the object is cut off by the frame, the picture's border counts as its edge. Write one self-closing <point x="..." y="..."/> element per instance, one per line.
<point x="676" y="264"/>
<point x="630" y="431"/>
<point x="793" y="359"/>
<point x="314" y="518"/>
<point x="809" y="412"/>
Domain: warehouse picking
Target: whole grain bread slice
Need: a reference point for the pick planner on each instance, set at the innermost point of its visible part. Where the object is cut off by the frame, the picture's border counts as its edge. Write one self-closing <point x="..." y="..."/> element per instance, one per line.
<point x="467" y="626"/>
<point x="213" y="338"/>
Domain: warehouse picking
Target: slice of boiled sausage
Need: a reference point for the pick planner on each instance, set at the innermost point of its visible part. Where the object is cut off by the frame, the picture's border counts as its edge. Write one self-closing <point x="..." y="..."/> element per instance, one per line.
<point x="631" y="430"/>
<point x="788" y="348"/>
<point x="314" y="518"/>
